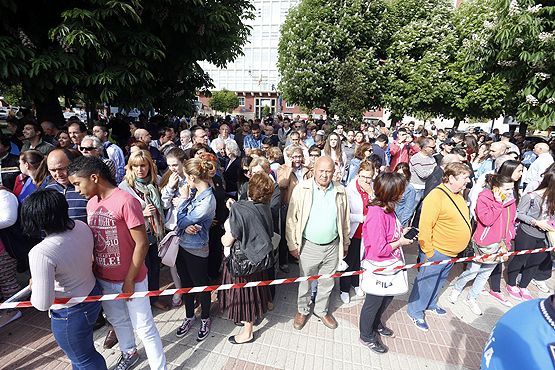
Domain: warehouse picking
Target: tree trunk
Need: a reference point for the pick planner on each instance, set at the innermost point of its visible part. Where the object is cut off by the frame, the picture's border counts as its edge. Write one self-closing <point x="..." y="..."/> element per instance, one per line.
<point x="456" y="123"/>
<point x="49" y="109"/>
<point x="522" y="128"/>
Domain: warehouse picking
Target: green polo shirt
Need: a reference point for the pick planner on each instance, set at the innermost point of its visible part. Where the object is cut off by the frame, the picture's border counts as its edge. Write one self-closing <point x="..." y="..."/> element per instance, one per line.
<point x="321" y="227"/>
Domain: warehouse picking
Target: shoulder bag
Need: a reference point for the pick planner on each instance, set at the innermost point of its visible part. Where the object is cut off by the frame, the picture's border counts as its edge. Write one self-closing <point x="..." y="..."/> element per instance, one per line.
<point x="499" y="247"/>
<point x="168" y="248"/>
<point x="385" y="283"/>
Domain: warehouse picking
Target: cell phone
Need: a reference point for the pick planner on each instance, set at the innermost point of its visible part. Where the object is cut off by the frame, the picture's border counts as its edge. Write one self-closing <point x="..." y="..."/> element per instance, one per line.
<point x="411" y="234"/>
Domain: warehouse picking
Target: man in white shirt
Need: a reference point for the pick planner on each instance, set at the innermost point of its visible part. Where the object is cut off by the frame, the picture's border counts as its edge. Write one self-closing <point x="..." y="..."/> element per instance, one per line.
<point x="537" y="168"/>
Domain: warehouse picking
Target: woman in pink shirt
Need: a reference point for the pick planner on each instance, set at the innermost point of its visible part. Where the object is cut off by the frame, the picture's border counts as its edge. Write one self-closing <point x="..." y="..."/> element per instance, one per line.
<point x="382" y="235"/>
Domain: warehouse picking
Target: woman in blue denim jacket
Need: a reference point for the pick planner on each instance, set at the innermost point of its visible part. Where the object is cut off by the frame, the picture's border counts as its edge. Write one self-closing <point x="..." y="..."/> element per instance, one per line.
<point x="406" y="206"/>
<point x="194" y="218"/>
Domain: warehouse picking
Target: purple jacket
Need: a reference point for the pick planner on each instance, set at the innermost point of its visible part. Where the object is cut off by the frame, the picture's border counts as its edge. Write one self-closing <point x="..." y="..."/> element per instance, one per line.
<point x="378" y="231"/>
<point x="491" y="217"/>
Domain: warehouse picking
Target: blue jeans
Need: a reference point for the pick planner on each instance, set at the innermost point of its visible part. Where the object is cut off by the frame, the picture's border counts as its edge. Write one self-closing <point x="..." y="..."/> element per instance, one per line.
<point x="427" y="285"/>
<point x="128" y="317"/>
<point x="480" y="272"/>
<point x="73" y="330"/>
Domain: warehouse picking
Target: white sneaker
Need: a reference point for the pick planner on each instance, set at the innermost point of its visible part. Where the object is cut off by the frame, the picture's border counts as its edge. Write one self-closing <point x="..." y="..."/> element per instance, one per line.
<point x="454" y="295"/>
<point x="473" y="306"/>
<point x="541" y="285"/>
<point x="345" y="297"/>
<point x="518" y="277"/>
<point x="359" y="292"/>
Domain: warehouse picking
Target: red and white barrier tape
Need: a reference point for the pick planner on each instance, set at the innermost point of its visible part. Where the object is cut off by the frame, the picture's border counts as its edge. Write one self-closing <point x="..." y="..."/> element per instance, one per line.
<point x="210" y="288"/>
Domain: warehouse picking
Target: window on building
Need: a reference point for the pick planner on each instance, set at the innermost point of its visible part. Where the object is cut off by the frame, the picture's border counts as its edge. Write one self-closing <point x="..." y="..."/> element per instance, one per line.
<point x="241" y="101"/>
<point x="289" y="105"/>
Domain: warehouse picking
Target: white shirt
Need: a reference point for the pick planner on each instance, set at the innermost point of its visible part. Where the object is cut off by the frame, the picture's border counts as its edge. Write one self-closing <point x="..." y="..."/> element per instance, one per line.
<point x="534" y="175"/>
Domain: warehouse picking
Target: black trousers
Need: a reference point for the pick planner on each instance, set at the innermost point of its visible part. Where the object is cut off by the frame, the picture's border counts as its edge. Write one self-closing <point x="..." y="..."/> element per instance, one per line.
<point x="527" y="264"/>
<point x="283" y="248"/>
<point x="495" y="278"/>
<point x="371" y="315"/>
<point x="215" y="255"/>
<point x="152" y="262"/>
<point x="353" y="260"/>
<point x="193" y="271"/>
<point x="545" y="268"/>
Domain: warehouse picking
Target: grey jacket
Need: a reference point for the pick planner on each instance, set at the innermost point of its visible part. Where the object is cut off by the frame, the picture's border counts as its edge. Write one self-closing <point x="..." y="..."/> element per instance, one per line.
<point x="529" y="210"/>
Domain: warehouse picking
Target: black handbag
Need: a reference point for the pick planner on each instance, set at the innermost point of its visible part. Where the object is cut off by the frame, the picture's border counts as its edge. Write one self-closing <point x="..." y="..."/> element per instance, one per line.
<point x="239" y="265"/>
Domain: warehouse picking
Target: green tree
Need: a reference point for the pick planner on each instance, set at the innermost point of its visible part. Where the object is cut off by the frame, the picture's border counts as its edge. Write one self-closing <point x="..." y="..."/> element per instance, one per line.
<point x="125" y="52"/>
<point x="417" y="57"/>
<point x="321" y="42"/>
<point x="224" y="101"/>
<point x="519" y="46"/>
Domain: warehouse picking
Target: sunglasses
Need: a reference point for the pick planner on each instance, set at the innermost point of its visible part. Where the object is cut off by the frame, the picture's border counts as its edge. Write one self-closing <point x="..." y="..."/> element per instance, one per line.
<point x="87" y="148"/>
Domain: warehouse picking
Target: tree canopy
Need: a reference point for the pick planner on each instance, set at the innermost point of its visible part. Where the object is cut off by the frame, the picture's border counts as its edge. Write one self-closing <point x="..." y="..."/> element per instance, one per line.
<point x="323" y="45"/>
<point x="127" y="52"/>
<point x="224" y="101"/>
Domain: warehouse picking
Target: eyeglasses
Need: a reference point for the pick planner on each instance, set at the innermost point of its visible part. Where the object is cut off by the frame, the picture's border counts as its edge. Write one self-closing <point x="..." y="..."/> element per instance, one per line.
<point x="87" y="148"/>
<point x="367" y="178"/>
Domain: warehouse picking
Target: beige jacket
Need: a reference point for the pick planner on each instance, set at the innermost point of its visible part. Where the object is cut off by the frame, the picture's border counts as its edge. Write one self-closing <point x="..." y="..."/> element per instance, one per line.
<point x="300" y="205"/>
<point x="287" y="181"/>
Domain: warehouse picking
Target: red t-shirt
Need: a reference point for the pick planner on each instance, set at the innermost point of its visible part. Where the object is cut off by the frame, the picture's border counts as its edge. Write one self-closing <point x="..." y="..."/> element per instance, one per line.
<point x="110" y="220"/>
<point x="364" y="196"/>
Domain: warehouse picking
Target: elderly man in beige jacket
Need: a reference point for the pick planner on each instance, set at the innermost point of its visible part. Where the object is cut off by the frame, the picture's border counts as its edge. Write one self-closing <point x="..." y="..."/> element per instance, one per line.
<point x="317" y="230"/>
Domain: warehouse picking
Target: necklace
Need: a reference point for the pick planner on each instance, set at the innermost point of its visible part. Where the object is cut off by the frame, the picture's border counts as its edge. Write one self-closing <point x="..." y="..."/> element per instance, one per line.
<point x="546" y="315"/>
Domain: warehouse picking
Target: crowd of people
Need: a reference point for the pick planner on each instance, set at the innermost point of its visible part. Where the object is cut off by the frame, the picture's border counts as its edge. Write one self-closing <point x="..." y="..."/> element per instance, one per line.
<point x="239" y="200"/>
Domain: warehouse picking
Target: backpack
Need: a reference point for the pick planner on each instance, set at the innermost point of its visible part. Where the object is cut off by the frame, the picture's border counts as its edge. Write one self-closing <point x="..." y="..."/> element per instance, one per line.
<point x="17" y="244"/>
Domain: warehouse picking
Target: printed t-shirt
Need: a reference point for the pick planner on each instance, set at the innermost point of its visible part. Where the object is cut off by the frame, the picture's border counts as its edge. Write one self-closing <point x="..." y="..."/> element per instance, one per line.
<point x="110" y="220"/>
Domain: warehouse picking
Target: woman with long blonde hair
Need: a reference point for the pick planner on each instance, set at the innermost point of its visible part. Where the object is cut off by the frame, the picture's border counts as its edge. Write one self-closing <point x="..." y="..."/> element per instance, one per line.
<point x="141" y="181"/>
<point x="333" y="149"/>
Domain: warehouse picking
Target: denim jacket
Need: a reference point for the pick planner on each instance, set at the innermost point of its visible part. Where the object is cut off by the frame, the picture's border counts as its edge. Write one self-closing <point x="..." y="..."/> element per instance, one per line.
<point x="199" y="210"/>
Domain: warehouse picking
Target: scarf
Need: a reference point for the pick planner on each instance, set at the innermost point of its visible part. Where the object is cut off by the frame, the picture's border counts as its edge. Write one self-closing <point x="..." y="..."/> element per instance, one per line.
<point x="149" y="192"/>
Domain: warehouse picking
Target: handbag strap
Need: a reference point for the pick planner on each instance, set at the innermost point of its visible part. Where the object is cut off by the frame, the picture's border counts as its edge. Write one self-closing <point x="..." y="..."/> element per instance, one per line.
<point x="458" y="209"/>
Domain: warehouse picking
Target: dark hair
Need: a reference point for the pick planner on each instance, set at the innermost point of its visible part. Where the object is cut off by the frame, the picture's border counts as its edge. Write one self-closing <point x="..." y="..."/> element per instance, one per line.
<point x="87" y="166"/>
<point x="548" y="183"/>
<point x="405" y="168"/>
<point x="471" y="143"/>
<point x="361" y="149"/>
<point x="507" y="169"/>
<point x="5" y="141"/>
<point x="261" y="188"/>
<point x="198" y="147"/>
<point x="36" y="127"/>
<point x="82" y="127"/>
<point x="45" y="210"/>
<point x="388" y="190"/>
<point x="256" y="126"/>
<point x="383" y="138"/>
<point x="376" y="160"/>
<point x="497" y="180"/>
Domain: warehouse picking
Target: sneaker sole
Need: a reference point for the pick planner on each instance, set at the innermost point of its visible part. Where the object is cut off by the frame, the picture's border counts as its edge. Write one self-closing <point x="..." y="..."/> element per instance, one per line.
<point x="504" y="303"/>
<point x="541" y="289"/>
<point x="471" y="310"/>
<point x="438" y="314"/>
<point x="13" y="318"/>
<point x="199" y="339"/>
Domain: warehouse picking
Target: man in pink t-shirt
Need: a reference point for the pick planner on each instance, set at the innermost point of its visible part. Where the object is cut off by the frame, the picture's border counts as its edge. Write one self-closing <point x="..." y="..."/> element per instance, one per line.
<point x="117" y="222"/>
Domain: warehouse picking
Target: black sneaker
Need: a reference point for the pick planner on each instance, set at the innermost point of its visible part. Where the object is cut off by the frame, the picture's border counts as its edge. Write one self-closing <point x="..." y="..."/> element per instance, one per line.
<point x="376" y="345"/>
<point x="127" y="360"/>
<point x="204" y="329"/>
<point x="185" y="327"/>
<point x="384" y="331"/>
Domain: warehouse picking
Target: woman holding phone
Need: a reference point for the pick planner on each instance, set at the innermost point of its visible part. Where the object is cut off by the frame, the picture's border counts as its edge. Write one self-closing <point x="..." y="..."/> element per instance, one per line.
<point x="383" y="236"/>
<point x="495" y="219"/>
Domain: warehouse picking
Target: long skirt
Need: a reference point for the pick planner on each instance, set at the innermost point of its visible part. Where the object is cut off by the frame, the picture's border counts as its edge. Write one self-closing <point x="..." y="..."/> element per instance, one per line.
<point x="246" y="304"/>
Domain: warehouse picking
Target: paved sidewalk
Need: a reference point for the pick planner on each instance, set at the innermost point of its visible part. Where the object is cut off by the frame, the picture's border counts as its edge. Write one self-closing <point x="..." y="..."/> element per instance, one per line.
<point x="455" y="341"/>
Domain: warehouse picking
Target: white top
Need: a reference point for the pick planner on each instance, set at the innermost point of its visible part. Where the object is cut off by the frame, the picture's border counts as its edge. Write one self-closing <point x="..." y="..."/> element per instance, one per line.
<point x="61" y="267"/>
<point x="534" y="175"/>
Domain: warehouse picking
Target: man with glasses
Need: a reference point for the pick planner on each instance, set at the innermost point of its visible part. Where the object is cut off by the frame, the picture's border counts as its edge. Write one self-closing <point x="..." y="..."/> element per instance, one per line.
<point x="91" y="146"/>
<point x="422" y="165"/>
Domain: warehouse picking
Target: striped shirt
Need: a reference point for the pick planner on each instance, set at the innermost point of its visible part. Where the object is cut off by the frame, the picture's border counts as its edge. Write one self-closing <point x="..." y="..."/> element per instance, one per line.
<point x="77" y="204"/>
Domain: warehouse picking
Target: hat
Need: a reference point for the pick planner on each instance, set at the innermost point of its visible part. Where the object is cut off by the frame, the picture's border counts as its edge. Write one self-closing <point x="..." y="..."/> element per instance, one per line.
<point x="449" y="142"/>
<point x="321" y="132"/>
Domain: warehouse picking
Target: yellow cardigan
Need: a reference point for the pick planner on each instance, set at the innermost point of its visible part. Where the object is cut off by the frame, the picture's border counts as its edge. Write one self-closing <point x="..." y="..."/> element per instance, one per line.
<point x="442" y="228"/>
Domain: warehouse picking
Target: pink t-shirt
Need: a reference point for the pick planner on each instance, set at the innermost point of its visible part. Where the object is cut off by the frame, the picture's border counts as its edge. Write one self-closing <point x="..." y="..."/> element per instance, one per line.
<point x="110" y="220"/>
